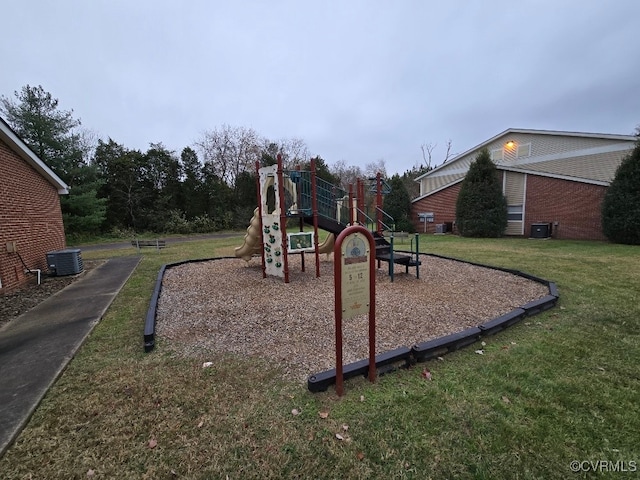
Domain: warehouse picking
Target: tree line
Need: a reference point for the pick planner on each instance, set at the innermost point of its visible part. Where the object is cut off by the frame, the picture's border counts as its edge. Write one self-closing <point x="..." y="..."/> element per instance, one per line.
<point x="207" y="187"/>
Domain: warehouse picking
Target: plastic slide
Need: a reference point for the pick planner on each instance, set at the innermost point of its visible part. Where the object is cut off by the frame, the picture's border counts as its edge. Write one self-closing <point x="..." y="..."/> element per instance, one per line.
<point x="328" y="244"/>
<point x="253" y="240"/>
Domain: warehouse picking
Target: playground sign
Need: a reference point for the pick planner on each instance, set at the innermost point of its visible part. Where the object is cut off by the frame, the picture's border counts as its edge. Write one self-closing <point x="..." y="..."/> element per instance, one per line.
<point x="300" y="242"/>
<point x="355" y="291"/>
<point x="354" y="279"/>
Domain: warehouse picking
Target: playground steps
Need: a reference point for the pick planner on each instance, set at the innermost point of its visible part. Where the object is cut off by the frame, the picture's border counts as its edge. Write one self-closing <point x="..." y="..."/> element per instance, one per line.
<point x="399" y="258"/>
<point x="383" y="247"/>
<point x="383" y="253"/>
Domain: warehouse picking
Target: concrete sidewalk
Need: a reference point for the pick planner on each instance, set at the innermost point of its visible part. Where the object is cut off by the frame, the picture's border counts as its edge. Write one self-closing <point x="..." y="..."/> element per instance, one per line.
<point x="36" y="347"/>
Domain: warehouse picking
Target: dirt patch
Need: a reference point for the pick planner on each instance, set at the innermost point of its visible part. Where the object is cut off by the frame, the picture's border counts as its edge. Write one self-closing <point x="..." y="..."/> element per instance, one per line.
<point x="17" y="302"/>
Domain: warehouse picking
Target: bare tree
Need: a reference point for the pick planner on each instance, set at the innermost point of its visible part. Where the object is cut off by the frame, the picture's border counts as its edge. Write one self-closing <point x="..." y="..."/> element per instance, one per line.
<point x="230" y="151"/>
<point x="448" y="153"/>
<point x="294" y="151"/>
<point x="348" y="174"/>
<point x="371" y="169"/>
<point x="427" y="153"/>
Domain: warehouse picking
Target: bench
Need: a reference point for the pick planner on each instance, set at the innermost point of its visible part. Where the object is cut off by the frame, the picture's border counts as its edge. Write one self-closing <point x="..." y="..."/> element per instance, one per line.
<point x="387" y="234"/>
<point x="157" y="244"/>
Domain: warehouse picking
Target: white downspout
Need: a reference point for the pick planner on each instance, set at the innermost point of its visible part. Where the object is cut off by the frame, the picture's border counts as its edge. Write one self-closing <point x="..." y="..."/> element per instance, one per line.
<point x="36" y="271"/>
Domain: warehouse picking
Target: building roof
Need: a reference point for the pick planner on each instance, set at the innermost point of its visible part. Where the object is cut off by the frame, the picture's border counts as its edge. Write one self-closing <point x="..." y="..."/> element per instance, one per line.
<point x="15" y="143"/>
<point x="583" y="157"/>
<point x="510" y="131"/>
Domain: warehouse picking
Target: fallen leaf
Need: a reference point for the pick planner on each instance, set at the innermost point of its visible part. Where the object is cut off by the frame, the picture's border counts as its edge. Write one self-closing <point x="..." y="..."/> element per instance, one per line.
<point x="480" y="352"/>
<point x="505" y="399"/>
<point x="505" y="347"/>
<point x="339" y="437"/>
<point x="207" y="364"/>
<point x="323" y="414"/>
<point x="360" y="456"/>
<point x="153" y="443"/>
<point x="426" y="374"/>
<point x="345" y="427"/>
<point x="295" y="412"/>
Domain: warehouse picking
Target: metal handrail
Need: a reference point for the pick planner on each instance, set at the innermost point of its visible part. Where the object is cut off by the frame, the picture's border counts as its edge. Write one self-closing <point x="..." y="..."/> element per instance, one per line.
<point x="372" y="222"/>
<point x="393" y="221"/>
<point x="329" y="198"/>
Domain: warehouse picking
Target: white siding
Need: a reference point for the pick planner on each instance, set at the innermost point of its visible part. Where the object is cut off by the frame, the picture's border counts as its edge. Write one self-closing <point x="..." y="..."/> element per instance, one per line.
<point x="514" y="189"/>
<point x="585" y="157"/>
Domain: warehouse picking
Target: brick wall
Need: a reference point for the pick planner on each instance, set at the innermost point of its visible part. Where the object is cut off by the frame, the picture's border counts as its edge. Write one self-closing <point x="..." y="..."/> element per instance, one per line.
<point x="30" y="215"/>
<point x="442" y="204"/>
<point x="574" y="205"/>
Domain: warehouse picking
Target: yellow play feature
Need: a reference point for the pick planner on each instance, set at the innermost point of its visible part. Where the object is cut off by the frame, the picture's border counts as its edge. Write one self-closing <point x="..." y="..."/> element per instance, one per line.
<point x="282" y="196"/>
<point x="252" y="244"/>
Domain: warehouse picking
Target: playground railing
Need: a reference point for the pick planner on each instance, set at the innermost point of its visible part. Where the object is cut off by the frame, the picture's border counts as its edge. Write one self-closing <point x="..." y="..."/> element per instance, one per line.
<point x="384" y="223"/>
<point x="371" y="224"/>
<point x="330" y="199"/>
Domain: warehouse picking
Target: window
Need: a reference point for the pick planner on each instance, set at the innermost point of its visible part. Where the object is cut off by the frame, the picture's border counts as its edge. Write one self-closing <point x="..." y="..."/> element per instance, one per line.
<point x="514" y="213"/>
<point x="511" y="151"/>
<point x="524" y="150"/>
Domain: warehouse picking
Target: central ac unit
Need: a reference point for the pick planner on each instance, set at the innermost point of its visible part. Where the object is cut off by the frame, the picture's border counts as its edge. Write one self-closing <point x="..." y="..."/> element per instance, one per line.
<point x="65" y="262"/>
<point x="540" y="230"/>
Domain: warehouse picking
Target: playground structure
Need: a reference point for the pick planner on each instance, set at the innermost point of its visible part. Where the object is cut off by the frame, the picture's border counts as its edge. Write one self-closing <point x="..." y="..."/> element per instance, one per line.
<point x="283" y="195"/>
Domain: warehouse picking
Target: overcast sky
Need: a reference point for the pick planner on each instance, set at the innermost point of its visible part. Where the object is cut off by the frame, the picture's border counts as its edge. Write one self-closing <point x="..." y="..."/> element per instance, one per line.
<point x="357" y="80"/>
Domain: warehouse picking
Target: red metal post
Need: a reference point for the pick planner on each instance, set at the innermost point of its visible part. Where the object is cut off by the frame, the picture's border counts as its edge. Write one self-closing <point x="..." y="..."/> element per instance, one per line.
<point x="378" y="203"/>
<point x="259" y="189"/>
<point x="351" y="216"/>
<point x="283" y="219"/>
<point x="337" y="271"/>
<point x="372" y="309"/>
<point x="337" y="275"/>
<point x="298" y="199"/>
<point x="360" y="200"/>
<point x="314" y="206"/>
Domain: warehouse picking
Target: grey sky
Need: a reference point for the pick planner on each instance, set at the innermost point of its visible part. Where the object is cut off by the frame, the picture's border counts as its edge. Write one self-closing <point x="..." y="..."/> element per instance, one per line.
<point x="356" y="80"/>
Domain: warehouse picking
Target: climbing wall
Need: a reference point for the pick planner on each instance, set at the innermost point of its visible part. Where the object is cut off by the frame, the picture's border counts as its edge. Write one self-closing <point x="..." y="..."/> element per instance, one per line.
<point x="271" y="228"/>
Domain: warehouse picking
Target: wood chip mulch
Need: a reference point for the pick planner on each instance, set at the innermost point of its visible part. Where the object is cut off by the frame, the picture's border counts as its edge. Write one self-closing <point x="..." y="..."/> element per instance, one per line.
<point x="225" y="306"/>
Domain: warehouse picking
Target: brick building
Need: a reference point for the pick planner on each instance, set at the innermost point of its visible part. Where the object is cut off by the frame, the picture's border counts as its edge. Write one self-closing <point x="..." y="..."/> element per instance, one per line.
<point x="554" y="182"/>
<point x="30" y="214"/>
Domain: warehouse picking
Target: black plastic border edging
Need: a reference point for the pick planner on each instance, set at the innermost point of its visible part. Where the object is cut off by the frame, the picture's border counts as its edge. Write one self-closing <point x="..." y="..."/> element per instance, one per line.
<point x="428" y="350"/>
<point x="150" y="319"/>
<point x="401" y="356"/>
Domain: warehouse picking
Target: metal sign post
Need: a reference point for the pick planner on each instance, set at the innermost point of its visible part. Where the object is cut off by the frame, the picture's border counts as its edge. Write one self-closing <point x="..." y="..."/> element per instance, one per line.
<point x="355" y="285"/>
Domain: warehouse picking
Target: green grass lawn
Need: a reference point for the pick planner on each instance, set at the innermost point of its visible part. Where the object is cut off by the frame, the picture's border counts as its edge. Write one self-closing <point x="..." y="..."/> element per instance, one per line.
<point x="558" y="387"/>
